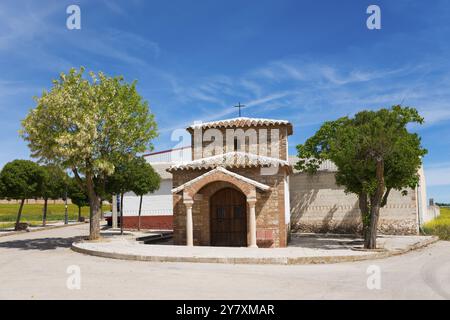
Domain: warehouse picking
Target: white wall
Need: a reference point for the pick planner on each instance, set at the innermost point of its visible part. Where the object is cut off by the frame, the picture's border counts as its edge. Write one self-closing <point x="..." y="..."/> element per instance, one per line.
<point x="171" y="156"/>
<point x="157" y="203"/>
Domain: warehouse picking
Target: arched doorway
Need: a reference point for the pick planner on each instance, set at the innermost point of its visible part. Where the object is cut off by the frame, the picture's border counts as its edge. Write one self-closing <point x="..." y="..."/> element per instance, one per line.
<point x="228" y="208"/>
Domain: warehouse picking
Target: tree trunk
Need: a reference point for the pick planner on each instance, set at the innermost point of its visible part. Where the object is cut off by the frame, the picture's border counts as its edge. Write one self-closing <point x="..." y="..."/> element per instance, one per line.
<point x="79" y="213"/>
<point x="121" y="213"/>
<point x="94" y="212"/>
<point x="370" y="242"/>
<point x="364" y="208"/>
<point x="44" y="216"/>
<point x="371" y="238"/>
<point x="139" y="217"/>
<point x="94" y="218"/>
<point x="19" y="214"/>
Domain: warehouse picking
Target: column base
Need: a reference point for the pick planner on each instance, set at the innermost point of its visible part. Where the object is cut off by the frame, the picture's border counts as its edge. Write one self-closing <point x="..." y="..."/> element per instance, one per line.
<point x="252" y="246"/>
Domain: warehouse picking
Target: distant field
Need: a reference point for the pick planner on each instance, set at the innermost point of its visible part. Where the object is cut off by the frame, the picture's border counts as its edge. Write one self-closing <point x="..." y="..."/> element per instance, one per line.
<point x="441" y="226"/>
<point x="32" y="213"/>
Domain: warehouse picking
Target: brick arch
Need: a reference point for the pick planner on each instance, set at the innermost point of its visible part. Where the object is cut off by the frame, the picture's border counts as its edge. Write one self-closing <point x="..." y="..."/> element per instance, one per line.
<point x="211" y="188"/>
<point x="247" y="189"/>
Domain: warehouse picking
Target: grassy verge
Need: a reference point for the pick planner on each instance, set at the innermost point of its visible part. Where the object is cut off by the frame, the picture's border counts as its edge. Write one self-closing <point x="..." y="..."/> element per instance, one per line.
<point x="32" y="213"/>
<point x="440" y="226"/>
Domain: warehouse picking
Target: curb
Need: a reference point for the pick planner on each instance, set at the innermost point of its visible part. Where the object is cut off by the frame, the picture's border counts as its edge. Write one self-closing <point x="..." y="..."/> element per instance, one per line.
<point x="42" y="229"/>
<point x="243" y="260"/>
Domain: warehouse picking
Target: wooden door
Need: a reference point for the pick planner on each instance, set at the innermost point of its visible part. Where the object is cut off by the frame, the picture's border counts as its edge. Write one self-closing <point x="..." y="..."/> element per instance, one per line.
<point x="228" y="218"/>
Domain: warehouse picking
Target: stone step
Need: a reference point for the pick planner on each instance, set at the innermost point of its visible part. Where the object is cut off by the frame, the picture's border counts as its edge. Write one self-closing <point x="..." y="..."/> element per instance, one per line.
<point x="155" y="237"/>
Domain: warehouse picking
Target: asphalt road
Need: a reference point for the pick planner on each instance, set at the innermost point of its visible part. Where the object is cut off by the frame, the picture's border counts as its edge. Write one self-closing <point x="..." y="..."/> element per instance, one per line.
<point x="36" y="265"/>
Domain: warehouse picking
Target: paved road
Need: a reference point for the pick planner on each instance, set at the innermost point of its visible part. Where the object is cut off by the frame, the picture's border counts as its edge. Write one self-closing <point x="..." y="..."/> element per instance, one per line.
<point x="34" y="266"/>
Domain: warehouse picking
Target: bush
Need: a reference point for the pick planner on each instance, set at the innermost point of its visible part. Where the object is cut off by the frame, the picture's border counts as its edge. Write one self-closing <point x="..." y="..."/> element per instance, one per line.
<point x="440" y="226"/>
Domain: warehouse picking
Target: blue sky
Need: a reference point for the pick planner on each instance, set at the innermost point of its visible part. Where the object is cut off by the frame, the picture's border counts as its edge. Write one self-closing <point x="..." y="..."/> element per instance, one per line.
<point x="305" y="61"/>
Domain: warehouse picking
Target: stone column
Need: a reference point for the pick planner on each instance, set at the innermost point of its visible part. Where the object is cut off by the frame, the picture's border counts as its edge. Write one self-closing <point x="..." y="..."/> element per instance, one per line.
<point x="252" y="222"/>
<point x="189" y="223"/>
<point x="114" y="212"/>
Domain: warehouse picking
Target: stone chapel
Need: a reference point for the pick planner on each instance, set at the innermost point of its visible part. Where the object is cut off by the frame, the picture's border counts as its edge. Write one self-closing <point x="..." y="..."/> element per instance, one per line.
<point x="235" y="190"/>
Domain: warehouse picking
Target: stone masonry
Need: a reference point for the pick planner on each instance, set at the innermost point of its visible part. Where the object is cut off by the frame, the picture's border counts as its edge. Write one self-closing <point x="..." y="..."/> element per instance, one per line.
<point x="254" y="137"/>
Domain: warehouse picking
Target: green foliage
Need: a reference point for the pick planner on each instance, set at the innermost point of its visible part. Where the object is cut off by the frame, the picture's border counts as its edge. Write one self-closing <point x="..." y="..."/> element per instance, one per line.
<point x="55" y="183"/>
<point x="440" y="226"/>
<point x="135" y="175"/>
<point x="21" y="179"/>
<point x="374" y="153"/>
<point x="76" y="194"/>
<point x="144" y="178"/>
<point x="356" y="144"/>
<point x="89" y="124"/>
<point x="2" y="190"/>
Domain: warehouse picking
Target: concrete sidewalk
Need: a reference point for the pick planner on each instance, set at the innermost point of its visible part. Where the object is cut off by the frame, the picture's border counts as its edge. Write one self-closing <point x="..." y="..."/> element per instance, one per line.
<point x="303" y="249"/>
<point x="49" y="226"/>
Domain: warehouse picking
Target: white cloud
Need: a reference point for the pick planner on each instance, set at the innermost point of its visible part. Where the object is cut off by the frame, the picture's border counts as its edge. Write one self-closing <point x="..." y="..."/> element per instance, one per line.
<point x="310" y="93"/>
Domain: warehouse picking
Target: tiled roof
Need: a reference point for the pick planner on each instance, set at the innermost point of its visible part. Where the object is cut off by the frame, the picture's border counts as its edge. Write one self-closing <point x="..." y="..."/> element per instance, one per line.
<point x="221" y="169"/>
<point x="161" y="169"/>
<point x="242" y="122"/>
<point x="234" y="159"/>
<point x="326" y="165"/>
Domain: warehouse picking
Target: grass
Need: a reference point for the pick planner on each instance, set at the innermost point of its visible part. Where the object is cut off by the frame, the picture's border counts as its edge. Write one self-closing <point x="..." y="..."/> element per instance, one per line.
<point x="440" y="226"/>
<point x="32" y="213"/>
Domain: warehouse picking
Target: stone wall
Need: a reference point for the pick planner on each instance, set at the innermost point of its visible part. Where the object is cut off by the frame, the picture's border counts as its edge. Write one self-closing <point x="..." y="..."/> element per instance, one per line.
<point x="432" y="213"/>
<point x="319" y="205"/>
<point x="262" y="145"/>
<point x="270" y="217"/>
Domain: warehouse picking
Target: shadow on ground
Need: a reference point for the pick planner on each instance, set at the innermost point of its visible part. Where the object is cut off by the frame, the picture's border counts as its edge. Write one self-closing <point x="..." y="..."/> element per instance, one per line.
<point x="40" y="244"/>
<point x="324" y="242"/>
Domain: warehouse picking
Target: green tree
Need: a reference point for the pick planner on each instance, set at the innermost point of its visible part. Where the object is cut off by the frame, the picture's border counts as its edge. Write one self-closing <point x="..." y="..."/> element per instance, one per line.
<point x="134" y="175"/>
<point x="374" y="154"/>
<point x="88" y="126"/>
<point x="119" y="183"/>
<point x="2" y="190"/>
<point x="54" y="186"/>
<point x="78" y="196"/>
<point x="21" y="180"/>
<point x="144" y="179"/>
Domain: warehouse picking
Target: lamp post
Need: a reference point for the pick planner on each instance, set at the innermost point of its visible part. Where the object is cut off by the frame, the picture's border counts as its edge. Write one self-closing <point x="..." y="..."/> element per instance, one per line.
<point x="66" y="217"/>
<point x="121" y="213"/>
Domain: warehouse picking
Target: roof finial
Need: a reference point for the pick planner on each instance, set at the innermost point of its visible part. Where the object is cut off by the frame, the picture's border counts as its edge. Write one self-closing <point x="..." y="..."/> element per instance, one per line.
<point x="240" y="106"/>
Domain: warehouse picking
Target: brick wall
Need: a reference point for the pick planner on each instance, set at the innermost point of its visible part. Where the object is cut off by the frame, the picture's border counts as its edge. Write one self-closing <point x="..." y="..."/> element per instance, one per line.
<point x="261" y="144"/>
<point x="270" y="216"/>
<point x="149" y="222"/>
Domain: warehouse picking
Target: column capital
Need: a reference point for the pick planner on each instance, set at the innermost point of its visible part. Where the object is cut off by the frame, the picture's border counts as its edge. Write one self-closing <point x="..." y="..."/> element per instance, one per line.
<point x="251" y="201"/>
<point x="188" y="203"/>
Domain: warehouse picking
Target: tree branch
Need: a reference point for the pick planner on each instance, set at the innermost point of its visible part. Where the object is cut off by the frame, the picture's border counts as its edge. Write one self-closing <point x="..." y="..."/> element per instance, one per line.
<point x="78" y="178"/>
<point x="385" y="197"/>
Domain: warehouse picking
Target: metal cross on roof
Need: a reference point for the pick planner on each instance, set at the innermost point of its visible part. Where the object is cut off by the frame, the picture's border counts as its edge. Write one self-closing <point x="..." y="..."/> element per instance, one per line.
<point x="240" y="106"/>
